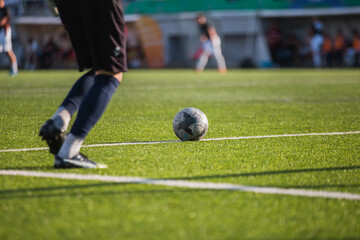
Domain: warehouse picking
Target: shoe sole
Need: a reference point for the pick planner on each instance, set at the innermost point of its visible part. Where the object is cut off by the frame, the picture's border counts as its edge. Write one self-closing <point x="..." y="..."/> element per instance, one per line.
<point x="69" y="163"/>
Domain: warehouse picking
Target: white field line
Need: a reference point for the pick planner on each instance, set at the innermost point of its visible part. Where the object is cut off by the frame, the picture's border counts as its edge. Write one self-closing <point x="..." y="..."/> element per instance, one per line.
<point x="185" y="184"/>
<point x="207" y="139"/>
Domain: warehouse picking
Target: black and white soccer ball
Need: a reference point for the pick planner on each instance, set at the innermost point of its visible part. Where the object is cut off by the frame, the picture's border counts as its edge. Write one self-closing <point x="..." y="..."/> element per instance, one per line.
<point x="190" y="124"/>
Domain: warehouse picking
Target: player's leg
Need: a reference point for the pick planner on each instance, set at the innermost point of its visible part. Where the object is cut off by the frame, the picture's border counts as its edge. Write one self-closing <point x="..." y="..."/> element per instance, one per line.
<point x="107" y="41"/>
<point x="315" y="44"/>
<point x="54" y="129"/>
<point x="90" y="111"/>
<point x="220" y="61"/>
<point x="203" y="60"/>
<point x="219" y="56"/>
<point x="74" y="98"/>
<point x="10" y="53"/>
<point x="14" y="66"/>
<point x="204" y="57"/>
<point x="316" y="56"/>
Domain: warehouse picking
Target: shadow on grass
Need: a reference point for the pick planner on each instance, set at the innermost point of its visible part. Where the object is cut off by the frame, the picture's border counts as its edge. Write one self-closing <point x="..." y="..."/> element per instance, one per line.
<point x="76" y="190"/>
<point x="29" y="168"/>
<point x="251" y="174"/>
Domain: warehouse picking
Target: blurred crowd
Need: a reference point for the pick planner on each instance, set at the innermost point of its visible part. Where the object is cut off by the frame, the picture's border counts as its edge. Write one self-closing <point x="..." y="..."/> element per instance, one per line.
<point x="317" y="49"/>
<point x="57" y="52"/>
<point x="51" y="54"/>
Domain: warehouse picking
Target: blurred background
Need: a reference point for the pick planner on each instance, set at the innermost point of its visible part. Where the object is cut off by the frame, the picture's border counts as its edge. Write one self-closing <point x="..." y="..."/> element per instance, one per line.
<point x="164" y="33"/>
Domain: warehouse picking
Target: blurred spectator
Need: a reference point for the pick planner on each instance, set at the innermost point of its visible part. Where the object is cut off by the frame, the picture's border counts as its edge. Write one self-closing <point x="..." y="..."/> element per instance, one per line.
<point x="274" y="39"/>
<point x="31" y="54"/>
<point x="49" y="54"/>
<point x="356" y="47"/>
<point x="316" y="41"/>
<point x="304" y="53"/>
<point x="339" y="48"/>
<point x="292" y="45"/>
<point x="327" y="51"/>
<point x="317" y="26"/>
<point x="134" y="54"/>
<point x="5" y="38"/>
<point x="66" y="54"/>
<point x="349" y="55"/>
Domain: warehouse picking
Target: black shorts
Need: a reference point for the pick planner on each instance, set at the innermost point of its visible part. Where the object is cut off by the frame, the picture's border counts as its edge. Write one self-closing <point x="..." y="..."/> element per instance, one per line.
<point x="97" y="33"/>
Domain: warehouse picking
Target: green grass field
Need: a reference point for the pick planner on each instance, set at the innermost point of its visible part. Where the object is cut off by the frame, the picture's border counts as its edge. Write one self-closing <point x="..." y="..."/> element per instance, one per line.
<point x="240" y="103"/>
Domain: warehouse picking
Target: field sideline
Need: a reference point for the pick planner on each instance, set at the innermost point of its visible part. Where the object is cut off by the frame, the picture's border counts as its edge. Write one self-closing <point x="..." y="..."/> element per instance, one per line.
<point x="294" y="130"/>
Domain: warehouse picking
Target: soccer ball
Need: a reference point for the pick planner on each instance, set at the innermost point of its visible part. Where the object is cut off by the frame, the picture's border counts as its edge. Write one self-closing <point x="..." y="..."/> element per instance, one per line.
<point x="190" y="124"/>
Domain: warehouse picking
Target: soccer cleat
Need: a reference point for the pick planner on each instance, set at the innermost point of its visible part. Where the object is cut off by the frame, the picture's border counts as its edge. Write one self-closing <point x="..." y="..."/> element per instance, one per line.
<point x="78" y="161"/>
<point x="54" y="137"/>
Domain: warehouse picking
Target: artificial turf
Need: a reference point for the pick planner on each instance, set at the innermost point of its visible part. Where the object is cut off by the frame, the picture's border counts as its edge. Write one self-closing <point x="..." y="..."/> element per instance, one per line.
<point x="239" y="103"/>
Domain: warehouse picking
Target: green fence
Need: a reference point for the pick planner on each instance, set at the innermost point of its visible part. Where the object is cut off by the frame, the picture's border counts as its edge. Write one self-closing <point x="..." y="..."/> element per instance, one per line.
<point x="172" y="6"/>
